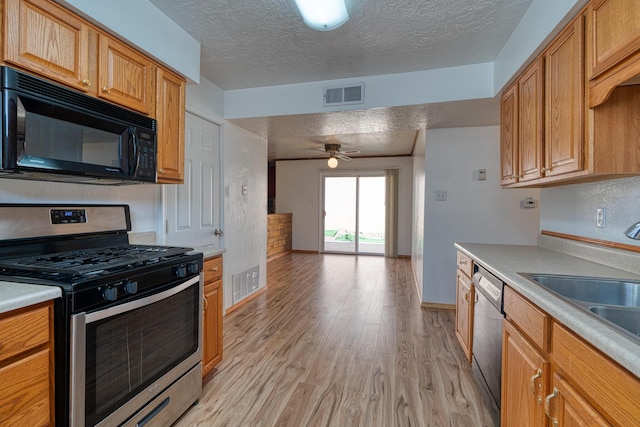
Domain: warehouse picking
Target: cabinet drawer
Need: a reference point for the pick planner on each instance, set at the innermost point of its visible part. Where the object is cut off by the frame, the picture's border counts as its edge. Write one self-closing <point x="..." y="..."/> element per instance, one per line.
<point x="20" y="332"/>
<point x="464" y="264"/>
<point x="212" y="269"/>
<point x="531" y="321"/>
<point x="24" y="399"/>
<point x="611" y="389"/>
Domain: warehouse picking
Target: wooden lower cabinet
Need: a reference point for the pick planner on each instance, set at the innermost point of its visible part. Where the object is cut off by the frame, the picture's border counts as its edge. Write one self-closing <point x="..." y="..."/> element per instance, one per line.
<point x="525" y="379"/>
<point x="566" y="407"/>
<point x="26" y="367"/>
<point x="212" y="315"/>
<point x="572" y="384"/>
<point x="464" y="313"/>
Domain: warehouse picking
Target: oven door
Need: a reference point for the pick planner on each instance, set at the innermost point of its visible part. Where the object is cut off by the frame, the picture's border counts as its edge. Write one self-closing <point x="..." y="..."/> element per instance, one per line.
<point x="125" y="355"/>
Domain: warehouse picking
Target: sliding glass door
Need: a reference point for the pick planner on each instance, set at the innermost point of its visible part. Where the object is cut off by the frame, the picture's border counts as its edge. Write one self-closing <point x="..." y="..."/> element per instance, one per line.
<point x="354" y="214"/>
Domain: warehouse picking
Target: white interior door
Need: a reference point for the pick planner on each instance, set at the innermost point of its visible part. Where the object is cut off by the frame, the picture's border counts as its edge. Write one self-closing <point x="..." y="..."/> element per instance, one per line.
<point x="193" y="209"/>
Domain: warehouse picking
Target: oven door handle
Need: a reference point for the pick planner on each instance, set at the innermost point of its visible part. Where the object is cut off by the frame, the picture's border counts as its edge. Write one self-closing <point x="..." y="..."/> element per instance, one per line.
<point x="129" y="306"/>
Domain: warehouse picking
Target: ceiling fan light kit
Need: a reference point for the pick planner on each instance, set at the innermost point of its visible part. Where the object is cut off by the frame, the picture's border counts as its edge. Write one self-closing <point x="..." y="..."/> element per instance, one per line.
<point x="332" y="162"/>
<point x="323" y="15"/>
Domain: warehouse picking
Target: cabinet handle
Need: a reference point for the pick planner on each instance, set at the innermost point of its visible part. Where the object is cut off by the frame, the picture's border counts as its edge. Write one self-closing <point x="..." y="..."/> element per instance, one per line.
<point x="105" y="89"/>
<point x="533" y="379"/>
<point x="547" y="405"/>
<point x="466" y="296"/>
<point x="161" y="171"/>
<point x="463" y="262"/>
<point x="86" y="82"/>
<point x="206" y="304"/>
<point x="543" y="170"/>
<point x="214" y="268"/>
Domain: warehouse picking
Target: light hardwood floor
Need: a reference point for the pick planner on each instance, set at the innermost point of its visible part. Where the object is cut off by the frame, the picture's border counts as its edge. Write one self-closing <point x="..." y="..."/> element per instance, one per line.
<point x="340" y="340"/>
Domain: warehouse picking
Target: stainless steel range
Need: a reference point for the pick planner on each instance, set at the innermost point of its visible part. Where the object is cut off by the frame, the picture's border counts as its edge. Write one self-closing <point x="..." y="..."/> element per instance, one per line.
<point x="127" y="329"/>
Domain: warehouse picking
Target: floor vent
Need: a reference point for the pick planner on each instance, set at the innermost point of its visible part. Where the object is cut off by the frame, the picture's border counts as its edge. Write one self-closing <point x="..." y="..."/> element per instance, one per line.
<point x="245" y="283"/>
<point x="343" y="95"/>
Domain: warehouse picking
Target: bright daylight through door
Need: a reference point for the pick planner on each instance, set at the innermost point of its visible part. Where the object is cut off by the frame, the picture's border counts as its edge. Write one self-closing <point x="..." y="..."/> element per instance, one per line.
<point x="354" y="214"/>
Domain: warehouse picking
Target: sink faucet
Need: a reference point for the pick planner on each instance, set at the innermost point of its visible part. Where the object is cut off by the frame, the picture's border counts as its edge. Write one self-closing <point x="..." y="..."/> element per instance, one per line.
<point x="633" y="232"/>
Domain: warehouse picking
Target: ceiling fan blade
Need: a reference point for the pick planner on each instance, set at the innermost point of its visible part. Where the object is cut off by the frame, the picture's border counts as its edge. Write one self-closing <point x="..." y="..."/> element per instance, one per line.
<point x="343" y="157"/>
<point x="349" y="151"/>
<point x="322" y="150"/>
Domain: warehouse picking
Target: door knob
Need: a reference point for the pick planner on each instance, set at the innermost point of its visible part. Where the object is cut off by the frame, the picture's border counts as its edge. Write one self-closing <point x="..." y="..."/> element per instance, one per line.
<point x="218" y="232"/>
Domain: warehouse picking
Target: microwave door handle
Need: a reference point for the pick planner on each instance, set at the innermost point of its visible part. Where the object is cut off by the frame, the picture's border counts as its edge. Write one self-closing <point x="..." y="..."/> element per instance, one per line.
<point x="133" y="147"/>
<point x="21" y="128"/>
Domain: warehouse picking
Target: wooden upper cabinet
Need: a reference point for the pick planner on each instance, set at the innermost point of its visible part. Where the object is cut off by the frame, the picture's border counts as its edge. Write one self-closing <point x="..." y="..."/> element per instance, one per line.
<point x="530" y="122"/>
<point x="125" y="76"/>
<point x="564" y="102"/>
<point x="613" y="29"/>
<point x="46" y="39"/>
<point x="509" y="136"/>
<point x="170" y="110"/>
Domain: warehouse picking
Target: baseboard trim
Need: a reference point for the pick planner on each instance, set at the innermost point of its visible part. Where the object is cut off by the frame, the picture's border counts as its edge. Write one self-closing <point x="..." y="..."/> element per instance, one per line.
<point x="303" y="251"/>
<point x="437" y="305"/>
<point x="245" y="301"/>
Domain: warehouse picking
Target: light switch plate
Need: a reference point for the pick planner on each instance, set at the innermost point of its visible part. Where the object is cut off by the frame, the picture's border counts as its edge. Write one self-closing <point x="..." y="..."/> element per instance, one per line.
<point x="441" y="195"/>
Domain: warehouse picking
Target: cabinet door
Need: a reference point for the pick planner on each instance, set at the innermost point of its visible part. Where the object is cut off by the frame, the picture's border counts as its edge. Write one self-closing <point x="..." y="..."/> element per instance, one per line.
<point x="464" y="313"/>
<point x="212" y="327"/>
<point x="564" y="76"/>
<point x="170" y="107"/>
<point x="615" y="33"/>
<point x="46" y="39"/>
<point x="125" y="76"/>
<point x="525" y="379"/>
<point x="567" y="408"/>
<point x="530" y="122"/>
<point x="509" y="136"/>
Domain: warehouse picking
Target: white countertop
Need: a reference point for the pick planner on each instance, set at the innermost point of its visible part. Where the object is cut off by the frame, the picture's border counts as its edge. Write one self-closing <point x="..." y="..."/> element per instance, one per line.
<point x="209" y="251"/>
<point x="506" y="261"/>
<point x="18" y="295"/>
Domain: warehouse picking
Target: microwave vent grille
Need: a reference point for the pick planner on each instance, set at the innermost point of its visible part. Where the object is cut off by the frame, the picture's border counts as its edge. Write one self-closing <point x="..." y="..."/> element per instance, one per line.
<point x="41" y="88"/>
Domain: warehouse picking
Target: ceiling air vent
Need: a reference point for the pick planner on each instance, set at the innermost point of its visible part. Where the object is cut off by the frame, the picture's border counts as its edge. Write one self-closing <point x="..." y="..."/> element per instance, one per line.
<point x="343" y="95"/>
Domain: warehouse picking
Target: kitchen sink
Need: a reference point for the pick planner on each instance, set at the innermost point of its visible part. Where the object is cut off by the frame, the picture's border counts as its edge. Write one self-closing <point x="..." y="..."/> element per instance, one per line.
<point x="625" y="317"/>
<point x="614" y="301"/>
<point x="591" y="289"/>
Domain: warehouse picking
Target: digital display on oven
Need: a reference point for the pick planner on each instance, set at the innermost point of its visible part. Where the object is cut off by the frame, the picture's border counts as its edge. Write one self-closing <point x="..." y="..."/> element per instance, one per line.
<point x="68" y="216"/>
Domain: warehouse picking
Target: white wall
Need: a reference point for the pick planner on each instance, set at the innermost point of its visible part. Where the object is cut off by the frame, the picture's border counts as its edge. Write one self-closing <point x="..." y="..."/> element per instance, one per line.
<point x="298" y="192"/>
<point x="571" y="209"/>
<point x="245" y="160"/>
<point x="475" y="211"/>
<point x="144" y="199"/>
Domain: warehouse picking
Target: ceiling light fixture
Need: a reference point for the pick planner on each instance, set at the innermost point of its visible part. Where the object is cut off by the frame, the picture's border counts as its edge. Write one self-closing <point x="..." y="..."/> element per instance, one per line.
<point x="323" y="15"/>
<point x="332" y="162"/>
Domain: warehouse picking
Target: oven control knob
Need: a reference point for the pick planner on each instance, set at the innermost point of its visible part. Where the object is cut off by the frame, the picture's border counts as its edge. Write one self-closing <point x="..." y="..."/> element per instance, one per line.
<point x="180" y="271"/>
<point x="110" y="293"/>
<point x="130" y="287"/>
<point x="193" y="268"/>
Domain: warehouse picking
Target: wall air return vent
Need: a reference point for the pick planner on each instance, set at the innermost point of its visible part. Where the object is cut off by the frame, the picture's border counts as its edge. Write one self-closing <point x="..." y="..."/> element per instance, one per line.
<point x="343" y="95"/>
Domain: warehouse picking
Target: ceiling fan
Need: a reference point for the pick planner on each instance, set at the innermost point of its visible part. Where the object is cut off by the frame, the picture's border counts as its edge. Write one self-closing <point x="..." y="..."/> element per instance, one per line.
<point x="335" y="152"/>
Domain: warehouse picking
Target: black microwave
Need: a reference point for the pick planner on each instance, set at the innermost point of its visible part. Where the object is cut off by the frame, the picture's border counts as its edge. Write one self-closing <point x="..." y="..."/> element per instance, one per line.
<point x="53" y="133"/>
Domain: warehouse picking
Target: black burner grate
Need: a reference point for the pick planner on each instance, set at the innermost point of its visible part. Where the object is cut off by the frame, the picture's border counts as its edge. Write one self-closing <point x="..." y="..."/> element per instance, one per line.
<point x="93" y="261"/>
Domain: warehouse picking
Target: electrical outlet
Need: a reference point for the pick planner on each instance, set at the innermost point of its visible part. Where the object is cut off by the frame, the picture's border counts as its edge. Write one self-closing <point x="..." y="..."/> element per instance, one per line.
<point x="441" y="195"/>
<point x="601" y="217"/>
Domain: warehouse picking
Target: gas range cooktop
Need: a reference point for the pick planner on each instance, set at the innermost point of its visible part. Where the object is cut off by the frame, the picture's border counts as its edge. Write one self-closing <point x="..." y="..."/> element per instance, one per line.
<point x="94" y="261"/>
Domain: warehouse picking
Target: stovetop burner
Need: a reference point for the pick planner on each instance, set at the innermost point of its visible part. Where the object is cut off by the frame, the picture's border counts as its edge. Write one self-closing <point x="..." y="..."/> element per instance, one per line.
<point x="93" y="261"/>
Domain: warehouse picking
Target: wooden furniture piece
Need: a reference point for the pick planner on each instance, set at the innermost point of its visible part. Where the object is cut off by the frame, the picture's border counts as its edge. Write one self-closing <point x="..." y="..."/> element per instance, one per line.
<point x="465" y="294"/>
<point x="212" y="315"/>
<point x="26" y="366"/>
<point x="279" y="234"/>
<point x="42" y="37"/>
<point x="549" y="133"/>
<point x="548" y="369"/>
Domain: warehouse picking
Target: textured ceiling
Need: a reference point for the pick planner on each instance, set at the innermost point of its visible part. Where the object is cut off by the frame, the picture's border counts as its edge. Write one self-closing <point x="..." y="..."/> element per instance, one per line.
<point x="253" y="43"/>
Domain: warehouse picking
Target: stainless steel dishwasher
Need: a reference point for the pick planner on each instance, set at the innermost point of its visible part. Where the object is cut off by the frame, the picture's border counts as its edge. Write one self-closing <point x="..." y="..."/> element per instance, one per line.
<point x="487" y="336"/>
